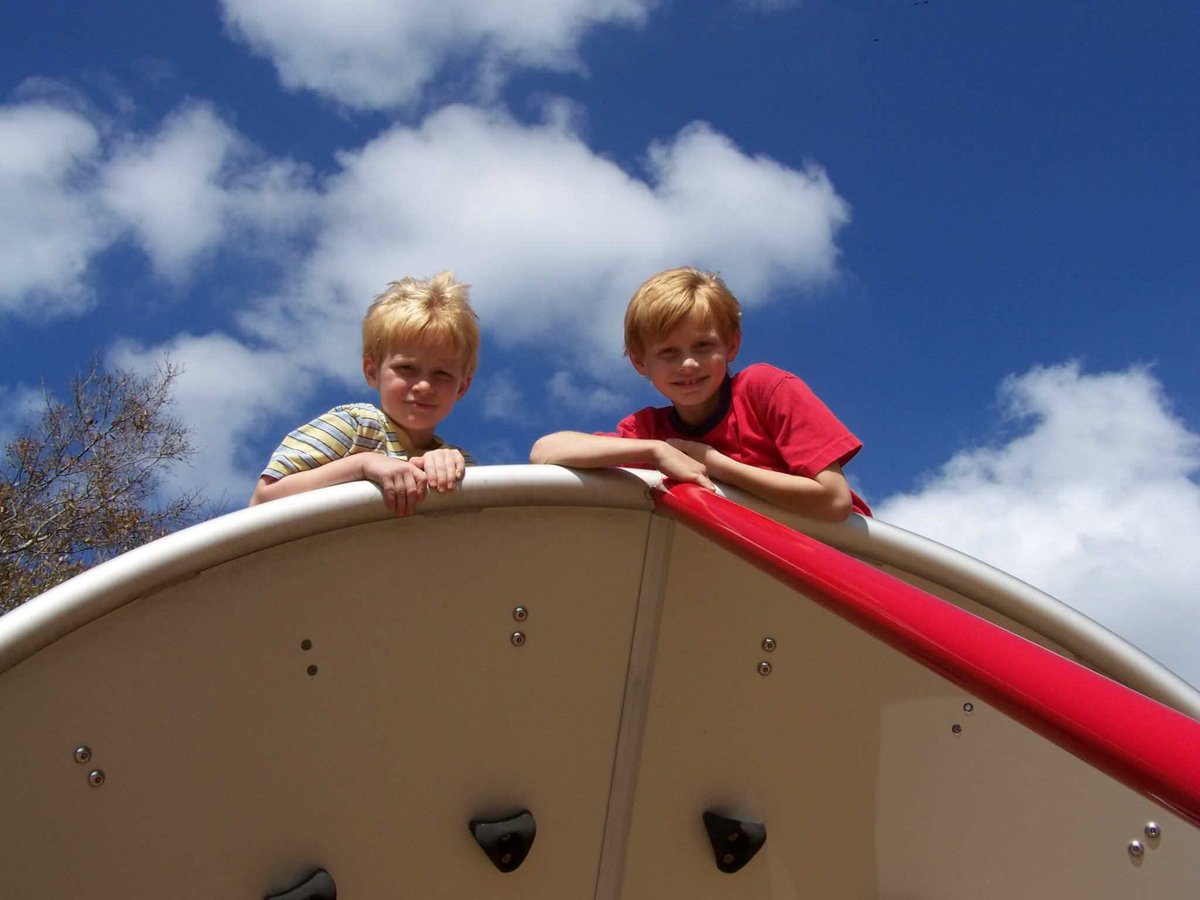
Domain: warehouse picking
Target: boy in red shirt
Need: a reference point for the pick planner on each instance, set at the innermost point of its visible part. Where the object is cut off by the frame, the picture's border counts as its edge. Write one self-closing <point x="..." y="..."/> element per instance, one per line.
<point x="761" y="430"/>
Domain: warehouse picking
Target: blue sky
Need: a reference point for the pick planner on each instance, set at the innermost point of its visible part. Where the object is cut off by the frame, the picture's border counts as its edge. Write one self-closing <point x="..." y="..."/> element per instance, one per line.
<point x="972" y="227"/>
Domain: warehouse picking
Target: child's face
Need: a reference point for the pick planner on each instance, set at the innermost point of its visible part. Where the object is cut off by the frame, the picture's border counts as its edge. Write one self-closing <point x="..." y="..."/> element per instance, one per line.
<point x="419" y="383"/>
<point x="688" y="366"/>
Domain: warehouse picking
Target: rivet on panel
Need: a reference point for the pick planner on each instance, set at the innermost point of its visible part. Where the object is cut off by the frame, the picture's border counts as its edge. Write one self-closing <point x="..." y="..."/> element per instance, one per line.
<point x="312" y="670"/>
<point x="95" y="778"/>
<point x="768" y="644"/>
<point x="956" y="728"/>
<point x="764" y="668"/>
<point x="518" y="639"/>
<point x="968" y="707"/>
<point x="306" y="644"/>
<point x="1136" y="849"/>
<point x="1153" y="831"/>
<point x="83" y="754"/>
<point x="520" y="614"/>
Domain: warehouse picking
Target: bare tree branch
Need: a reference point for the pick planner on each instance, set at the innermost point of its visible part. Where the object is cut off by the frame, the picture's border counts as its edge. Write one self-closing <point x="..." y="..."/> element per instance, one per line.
<point x="80" y="484"/>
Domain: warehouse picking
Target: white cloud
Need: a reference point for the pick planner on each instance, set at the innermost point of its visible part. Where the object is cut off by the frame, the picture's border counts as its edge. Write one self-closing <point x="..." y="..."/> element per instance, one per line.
<point x="50" y="226"/>
<point x="1097" y="503"/>
<point x="71" y="187"/>
<point x="196" y="185"/>
<point x="503" y="399"/>
<point x="567" y="392"/>
<point x="374" y="54"/>
<point x="553" y="236"/>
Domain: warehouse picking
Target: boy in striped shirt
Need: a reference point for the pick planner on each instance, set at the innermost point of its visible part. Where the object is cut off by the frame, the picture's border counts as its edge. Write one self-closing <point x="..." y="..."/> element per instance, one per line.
<point x="420" y="351"/>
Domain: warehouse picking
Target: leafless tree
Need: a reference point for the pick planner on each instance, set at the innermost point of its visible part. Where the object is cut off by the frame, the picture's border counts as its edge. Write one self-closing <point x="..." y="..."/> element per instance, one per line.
<point x="80" y="484"/>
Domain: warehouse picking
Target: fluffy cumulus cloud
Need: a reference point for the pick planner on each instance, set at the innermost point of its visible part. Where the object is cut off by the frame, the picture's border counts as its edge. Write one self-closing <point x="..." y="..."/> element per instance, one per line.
<point x="553" y="235"/>
<point x="196" y="185"/>
<point x="1096" y="501"/>
<point x="374" y="54"/>
<point x="50" y="223"/>
<point x="72" y="186"/>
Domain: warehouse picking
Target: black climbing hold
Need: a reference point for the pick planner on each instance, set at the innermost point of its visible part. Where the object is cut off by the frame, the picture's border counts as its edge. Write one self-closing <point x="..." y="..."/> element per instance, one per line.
<point x="317" y="886"/>
<point x="505" y="841"/>
<point x="734" y="841"/>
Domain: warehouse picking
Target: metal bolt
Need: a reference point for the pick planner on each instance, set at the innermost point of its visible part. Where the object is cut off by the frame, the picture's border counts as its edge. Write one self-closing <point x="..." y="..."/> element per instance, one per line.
<point x="306" y="645"/>
<point x="968" y="707"/>
<point x="520" y="614"/>
<point x="95" y="778"/>
<point x="312" y="670"/>
<point x="764" y="668"/>
<point x="83" y="754"/>
<point x="956" y="728"/>
<point x="768" y="644"/>
<point x="518" y="639"/>
<point x="727" y="858"/>
<point x="1153" y="831"/>
<point x="1136" y="849"/>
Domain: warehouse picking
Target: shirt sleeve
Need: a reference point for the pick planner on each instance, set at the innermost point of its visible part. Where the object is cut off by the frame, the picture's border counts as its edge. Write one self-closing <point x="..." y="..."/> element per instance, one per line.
<point x="314" y="444"/>
<point x="809" y="436"/>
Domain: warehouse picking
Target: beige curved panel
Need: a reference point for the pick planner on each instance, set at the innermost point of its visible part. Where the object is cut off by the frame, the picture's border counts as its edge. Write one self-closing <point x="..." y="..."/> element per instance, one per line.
<point x="635" y="703"/>
<point x="230" y="770"/>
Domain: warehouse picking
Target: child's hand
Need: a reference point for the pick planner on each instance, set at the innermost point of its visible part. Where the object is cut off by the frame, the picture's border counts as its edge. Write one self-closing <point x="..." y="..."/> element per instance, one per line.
<point x="402" y="482"/>
<point x="676" y="463"/>
<point x="443" y="469"/>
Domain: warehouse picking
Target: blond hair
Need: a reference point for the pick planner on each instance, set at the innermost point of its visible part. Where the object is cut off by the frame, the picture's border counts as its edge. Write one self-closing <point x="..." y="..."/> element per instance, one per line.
<point x="434" y="310"/>
<point x="666" y="299"/>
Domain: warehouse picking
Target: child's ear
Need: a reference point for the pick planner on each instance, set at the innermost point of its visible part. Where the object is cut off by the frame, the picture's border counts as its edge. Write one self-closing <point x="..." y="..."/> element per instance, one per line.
<point x="639" y="365"/>
<point x="462" y="388"/>
<point x="735" y="344"/>
<point x="370" y="372"/>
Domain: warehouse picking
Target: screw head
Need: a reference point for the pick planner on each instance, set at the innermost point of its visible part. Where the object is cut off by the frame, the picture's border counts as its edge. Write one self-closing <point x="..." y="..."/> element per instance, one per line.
<point x="520" y="613"/>
<point x="312" y="670"/>
<point x="768" y="644"/>
<point x="956" y="728"/>
<point x="306" y="644"/>
<point x="83" y="754"/>
<point x="764" y="668"/>
<point x="518" y="639"/>
<point x="1136" y="849"/>
<point x="968" y="707"/>
<point x="95" y="777"/>
<point x="1153" y="830"/>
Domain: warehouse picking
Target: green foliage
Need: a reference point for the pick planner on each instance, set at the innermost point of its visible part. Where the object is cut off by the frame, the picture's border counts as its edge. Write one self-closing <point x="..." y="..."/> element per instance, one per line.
<point x="79" y="484"/>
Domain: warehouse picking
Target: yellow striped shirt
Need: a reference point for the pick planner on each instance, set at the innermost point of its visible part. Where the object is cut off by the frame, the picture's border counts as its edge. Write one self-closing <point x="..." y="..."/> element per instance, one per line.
<point x="344" y="430"/>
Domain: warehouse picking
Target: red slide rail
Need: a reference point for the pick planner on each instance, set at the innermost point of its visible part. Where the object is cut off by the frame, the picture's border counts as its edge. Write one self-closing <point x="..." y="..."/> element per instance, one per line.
<point x="1146" y="746"/>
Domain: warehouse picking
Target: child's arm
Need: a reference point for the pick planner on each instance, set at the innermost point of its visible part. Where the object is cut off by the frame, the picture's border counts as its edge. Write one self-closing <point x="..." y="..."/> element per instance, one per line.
<point x="825" y="496"/>
<point x="594" y="451"/>
<point x="402" y="482"/>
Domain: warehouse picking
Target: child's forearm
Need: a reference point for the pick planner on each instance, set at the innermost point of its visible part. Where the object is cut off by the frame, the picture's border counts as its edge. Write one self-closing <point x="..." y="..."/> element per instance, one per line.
<point x="594" y="451"/>
<point x="825" y="497"/>
<point x="338" y="471"/>
<point x="586" y="451"/>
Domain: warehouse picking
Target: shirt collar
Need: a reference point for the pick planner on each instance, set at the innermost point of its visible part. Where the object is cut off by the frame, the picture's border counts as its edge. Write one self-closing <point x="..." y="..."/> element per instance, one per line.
<point x="714" y="419"/>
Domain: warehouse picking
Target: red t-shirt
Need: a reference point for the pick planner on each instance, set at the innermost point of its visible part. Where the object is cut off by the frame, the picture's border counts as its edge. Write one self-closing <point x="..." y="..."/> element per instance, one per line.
<point x="767" y="418"/>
